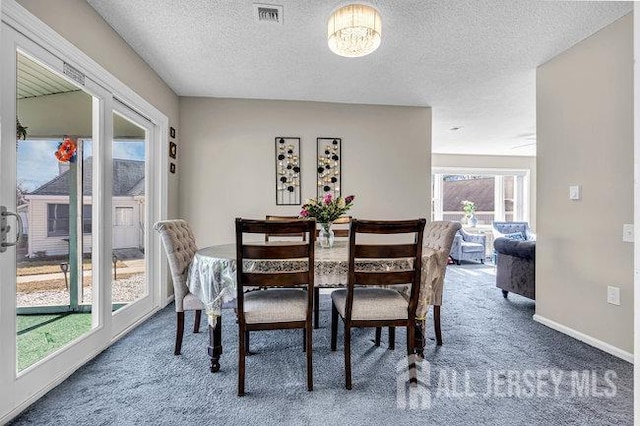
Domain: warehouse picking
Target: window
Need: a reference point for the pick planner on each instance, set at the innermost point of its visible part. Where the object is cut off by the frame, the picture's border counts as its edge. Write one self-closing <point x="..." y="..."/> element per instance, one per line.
<point x="58" y="220"/>
<point x="124" y="216"/>
<point x="499" y="195"/>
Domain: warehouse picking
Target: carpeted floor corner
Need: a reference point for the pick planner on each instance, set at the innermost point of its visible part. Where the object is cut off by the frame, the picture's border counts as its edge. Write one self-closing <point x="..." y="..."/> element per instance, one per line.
<point x="496" y="367"/>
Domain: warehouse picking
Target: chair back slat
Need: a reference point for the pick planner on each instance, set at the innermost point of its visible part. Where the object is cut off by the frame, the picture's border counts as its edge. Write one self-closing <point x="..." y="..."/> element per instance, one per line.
<point x="302" y="236"/>
<point x="384" y="278"/>
<point x="286" y="279"/>
<point x="298" y="226"/>
<point x="364" y="251"/>
<point x="390" y="227"/>
<point x="273" y="251"/>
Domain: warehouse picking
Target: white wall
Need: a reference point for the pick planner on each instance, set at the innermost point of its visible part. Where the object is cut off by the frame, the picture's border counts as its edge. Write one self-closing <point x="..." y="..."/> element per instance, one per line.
<point x="636" y="175"/>
<point x="494" y="162"/>
<point x="227" y="165"/>
<point x="585" y="137"/>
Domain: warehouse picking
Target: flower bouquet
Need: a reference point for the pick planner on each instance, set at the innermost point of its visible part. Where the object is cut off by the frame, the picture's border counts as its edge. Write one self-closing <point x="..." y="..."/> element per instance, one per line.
<point x="469" y="208"/>
<point x="325" y="210"/>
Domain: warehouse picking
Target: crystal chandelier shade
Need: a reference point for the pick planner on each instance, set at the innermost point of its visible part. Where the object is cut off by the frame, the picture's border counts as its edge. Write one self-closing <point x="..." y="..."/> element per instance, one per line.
<point x="354" y="30"/>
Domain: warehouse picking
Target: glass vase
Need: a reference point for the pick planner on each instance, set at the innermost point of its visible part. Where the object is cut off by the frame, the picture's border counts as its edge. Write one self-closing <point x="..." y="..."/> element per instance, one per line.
<point x="325" y="236"/>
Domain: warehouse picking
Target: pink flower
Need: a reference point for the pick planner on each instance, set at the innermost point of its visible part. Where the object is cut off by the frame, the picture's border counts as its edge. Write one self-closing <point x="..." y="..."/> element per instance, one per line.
<point x="349" y="199"/>
<point x="327" y="199"/>
<point x="304" y="213"/>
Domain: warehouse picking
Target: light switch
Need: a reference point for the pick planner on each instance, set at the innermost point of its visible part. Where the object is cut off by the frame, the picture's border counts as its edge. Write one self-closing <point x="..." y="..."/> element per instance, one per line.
<point x="574" y="192"/>
<point x="613" y="295"/>
<point x="627" y="233"/>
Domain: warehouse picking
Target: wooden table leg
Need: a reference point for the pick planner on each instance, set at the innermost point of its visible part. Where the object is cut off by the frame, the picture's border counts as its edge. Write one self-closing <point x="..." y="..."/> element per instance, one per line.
<point x="419" y="330"/>
<point x="215" y="345"/>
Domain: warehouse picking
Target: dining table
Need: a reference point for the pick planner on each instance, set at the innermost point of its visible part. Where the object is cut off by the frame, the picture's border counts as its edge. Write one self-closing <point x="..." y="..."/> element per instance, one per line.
<point x="212" y="278"/>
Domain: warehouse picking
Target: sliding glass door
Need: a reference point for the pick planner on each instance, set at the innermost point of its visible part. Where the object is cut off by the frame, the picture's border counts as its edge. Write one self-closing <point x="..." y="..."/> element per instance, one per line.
<point x="79" y="186"/>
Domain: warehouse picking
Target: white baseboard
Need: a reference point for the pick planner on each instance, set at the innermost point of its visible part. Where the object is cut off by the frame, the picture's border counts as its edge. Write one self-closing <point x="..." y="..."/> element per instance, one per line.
<point x="610" y="349"/>
<point x="168" y="300"/>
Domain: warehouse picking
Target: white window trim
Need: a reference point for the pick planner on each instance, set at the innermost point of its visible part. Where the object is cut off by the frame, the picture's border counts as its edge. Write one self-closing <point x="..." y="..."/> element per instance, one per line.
<point x="522" y="184"/>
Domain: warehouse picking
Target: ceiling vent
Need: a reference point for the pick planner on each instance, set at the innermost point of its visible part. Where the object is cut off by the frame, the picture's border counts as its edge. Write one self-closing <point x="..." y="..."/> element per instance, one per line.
<point x="268" y="13"/>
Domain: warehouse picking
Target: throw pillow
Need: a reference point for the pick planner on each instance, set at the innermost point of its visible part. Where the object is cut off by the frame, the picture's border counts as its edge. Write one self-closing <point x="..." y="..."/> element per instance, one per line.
<point x="519" y="236"/>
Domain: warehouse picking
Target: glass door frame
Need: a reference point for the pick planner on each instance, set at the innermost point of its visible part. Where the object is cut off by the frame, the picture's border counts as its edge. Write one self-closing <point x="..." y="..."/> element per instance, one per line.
<point x="134" y="311"/>
<point x="24" y="381"/>
<point x="21" y="28"/>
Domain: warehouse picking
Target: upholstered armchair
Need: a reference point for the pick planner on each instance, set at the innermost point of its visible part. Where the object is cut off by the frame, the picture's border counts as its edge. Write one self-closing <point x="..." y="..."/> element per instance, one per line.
<point x="468" y="246"/>
<point x="180" y="246"/>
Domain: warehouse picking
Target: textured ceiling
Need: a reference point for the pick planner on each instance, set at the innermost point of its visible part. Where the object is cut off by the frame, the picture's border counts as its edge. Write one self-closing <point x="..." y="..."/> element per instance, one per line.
<point x="472" y="61"/>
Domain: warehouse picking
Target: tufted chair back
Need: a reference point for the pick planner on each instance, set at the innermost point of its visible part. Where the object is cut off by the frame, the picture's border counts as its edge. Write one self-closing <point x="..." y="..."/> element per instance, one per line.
<point x="180" y="245"/>
<point x="502" y="228"/>
<point x="438" y="236"/>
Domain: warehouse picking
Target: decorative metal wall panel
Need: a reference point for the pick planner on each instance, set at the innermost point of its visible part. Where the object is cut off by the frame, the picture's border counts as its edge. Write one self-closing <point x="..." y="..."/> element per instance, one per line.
<point x="329" y="165"/>
<point x="288" y="171"/>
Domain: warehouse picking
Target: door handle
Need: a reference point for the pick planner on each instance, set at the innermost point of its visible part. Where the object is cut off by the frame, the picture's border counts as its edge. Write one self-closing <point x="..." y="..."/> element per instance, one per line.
<point x="5" y="227"/>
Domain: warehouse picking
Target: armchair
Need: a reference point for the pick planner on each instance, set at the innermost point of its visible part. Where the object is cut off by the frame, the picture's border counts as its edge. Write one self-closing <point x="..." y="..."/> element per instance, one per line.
<point x="468" y="246"/>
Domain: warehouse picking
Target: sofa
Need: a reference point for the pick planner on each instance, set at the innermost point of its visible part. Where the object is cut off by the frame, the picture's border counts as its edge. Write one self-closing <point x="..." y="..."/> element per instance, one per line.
<point x="516" y="266"/>
<point x="468" y="246"/>
<point x="500" y="229"/>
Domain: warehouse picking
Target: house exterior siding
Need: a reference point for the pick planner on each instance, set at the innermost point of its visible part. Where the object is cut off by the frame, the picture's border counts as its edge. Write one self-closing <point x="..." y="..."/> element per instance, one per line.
<point x="40" y="243"/>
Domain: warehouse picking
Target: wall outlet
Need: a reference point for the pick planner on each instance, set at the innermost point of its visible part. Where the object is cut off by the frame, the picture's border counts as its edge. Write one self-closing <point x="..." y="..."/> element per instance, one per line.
<point x="613" y="295"/>
<point x="627" y="233"/>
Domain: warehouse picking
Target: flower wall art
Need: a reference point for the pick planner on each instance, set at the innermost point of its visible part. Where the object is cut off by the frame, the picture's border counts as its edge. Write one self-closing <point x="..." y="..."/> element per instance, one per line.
<point x="329" y="163"/>
<point x="288" y="171"/>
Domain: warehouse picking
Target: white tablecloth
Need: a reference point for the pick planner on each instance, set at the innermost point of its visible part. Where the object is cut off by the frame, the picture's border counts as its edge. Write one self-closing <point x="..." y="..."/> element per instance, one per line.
<point x="212" y="274"/>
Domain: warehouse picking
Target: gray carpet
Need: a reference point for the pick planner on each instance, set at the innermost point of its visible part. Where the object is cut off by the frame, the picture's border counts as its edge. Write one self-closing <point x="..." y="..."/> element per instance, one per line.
<point x="139" y="381"/>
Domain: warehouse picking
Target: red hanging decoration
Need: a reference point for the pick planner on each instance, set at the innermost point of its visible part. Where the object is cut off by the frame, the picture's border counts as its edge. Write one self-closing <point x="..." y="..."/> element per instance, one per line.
<point x="66" y="151"/>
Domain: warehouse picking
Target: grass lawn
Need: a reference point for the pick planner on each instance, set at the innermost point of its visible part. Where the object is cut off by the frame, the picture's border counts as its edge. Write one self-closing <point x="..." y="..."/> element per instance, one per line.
<point x="40" y="335"/>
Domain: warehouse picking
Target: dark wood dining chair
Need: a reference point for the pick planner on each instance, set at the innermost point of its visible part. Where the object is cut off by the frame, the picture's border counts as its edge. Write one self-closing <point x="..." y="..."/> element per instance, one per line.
<point x="289" y="306"/>
<point x="369" y="305"/>
<point x="267" y="237"/>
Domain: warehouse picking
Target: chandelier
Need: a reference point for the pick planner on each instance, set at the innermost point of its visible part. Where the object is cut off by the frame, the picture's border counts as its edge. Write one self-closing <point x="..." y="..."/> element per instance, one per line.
<point x="354" y="30"/>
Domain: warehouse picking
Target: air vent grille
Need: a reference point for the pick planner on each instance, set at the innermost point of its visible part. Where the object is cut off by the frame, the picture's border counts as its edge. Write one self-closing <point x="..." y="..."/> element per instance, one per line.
<point x="268" y="13"/>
